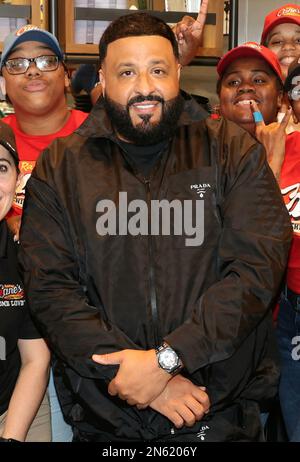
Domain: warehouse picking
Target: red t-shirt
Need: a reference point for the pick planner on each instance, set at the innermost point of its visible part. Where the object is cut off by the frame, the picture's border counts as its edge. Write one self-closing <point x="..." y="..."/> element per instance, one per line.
<point x="290" y="189"/>
<point x="30" y="146"/>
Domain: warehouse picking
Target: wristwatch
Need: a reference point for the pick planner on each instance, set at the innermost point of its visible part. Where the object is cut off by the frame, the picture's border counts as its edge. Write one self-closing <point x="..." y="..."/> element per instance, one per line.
<point x="168" y="359"/>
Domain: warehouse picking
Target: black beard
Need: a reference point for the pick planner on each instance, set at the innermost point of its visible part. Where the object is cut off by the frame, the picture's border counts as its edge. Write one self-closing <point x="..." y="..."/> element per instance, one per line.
<point x="145" y="133"/>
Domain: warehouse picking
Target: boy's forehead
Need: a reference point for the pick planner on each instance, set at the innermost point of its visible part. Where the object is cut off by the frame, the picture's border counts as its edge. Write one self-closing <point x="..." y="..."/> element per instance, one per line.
<point x="288" y="28"/>
<point x="28" y="46"/>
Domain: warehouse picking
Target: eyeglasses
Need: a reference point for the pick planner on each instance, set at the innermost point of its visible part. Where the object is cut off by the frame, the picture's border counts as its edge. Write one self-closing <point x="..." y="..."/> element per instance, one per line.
<point x="45" y="63"/>
<point x="294" y="93"/>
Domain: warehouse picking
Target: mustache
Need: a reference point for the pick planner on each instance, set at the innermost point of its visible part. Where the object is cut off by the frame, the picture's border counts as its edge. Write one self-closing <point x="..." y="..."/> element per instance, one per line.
<point x="142" y="98"/>
<point x="145" y="132"/>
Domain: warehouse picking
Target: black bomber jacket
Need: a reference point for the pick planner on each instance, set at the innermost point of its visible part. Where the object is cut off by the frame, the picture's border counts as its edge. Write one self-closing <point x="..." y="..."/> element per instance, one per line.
<point x="96" y="293"/>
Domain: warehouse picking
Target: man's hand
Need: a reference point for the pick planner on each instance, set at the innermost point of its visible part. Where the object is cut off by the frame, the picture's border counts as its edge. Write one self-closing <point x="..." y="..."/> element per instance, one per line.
<point x="188" y="33"/>
<point x="273" y="137"/>
<point x="14" y="224"/>
<point x="182" y="402"/>
<point x="139" y="379"/>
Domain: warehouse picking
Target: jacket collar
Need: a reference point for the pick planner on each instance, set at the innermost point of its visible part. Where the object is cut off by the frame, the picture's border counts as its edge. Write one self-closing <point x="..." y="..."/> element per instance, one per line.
<point x="98" y="125"/>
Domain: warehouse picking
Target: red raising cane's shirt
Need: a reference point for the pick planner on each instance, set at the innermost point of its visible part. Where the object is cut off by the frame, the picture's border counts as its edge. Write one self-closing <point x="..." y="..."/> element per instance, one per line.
<point x="29" y="148"/>
<point x="290" y="189"/>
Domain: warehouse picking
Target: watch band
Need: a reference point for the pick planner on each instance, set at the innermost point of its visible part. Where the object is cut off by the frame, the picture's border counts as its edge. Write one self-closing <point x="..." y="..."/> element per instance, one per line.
<point x="162" y="347"/>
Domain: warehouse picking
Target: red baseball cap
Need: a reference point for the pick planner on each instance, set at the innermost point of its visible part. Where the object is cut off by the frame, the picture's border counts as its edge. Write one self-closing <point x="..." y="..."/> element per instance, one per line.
<point x="251" y="50"/>
<point x="286" y="13"/>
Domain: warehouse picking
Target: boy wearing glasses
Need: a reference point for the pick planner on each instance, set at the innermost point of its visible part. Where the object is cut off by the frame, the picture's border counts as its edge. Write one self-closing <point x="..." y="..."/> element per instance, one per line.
<point x="36" y="80"/>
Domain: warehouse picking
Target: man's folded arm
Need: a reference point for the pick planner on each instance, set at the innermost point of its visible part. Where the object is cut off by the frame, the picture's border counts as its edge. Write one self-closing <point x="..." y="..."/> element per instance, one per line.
<point x="252" y="255"/>
<point x="58" y="299"/>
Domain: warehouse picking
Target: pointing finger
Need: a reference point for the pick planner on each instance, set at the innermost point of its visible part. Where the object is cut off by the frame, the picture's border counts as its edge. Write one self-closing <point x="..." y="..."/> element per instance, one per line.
<point x="286" y="119"/>
<point x="202" y="14"/>
<point x="257" y="115"/>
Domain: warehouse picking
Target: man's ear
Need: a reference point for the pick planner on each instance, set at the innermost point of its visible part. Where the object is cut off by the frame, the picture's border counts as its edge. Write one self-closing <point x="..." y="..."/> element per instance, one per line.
<point x="179" y="67"/>
<point x="102" y="80"/>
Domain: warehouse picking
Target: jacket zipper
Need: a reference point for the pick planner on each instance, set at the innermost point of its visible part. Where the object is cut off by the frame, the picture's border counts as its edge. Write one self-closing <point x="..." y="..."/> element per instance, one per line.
<point x="153" y="294"/>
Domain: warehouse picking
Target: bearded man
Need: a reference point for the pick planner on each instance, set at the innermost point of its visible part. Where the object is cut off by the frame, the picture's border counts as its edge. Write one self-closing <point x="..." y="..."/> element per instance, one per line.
<point x="159" y="317"/>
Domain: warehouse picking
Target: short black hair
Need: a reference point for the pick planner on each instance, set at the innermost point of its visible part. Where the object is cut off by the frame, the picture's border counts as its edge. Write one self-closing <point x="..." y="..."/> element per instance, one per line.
<point x="133" y="25"/>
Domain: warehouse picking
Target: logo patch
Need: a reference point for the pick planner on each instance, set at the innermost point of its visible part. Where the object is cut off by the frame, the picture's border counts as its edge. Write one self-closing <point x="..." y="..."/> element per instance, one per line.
<point x="11" y="292"/>
<point x="200" y="188"/>
<point x="202" y="433"/>
<point x="26" y="29"/>
<point x="289" y="12"/>
<point x="291" y="196"/>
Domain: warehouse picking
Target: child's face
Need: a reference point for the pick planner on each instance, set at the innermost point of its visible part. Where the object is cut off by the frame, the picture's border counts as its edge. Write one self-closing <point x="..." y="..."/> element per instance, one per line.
<point x="248" y="79"/>
<point x="8" y="180"/>
<point x="284" y="41"/>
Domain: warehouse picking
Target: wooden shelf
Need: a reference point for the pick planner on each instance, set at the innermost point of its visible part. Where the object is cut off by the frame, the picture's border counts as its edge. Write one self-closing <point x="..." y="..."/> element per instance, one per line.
<point x="212" y="42"/>
<point x="15" y="11"/>
<point x="32" y="12"/>
<point x="106" y="14"/>
<point x="36" y="12"/>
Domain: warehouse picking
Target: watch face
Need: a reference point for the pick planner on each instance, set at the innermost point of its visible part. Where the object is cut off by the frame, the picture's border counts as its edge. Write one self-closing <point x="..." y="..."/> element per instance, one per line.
<point x="168" y="359"/>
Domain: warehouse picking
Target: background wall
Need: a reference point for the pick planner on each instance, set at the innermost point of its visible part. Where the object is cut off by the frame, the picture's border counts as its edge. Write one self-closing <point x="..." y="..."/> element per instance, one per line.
<point x="200" y="80"/>
<point x="252" y="15"/>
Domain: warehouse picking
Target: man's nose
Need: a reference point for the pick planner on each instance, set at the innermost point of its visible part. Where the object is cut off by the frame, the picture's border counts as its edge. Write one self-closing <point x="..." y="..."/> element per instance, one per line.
<point x="144" y="84"/>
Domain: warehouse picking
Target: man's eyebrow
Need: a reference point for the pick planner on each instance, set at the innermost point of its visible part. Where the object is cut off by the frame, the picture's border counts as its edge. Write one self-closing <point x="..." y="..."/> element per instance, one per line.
<point x="158" y="61"/>
<point x="153" y="62"/>
<point x="125" y="64"/>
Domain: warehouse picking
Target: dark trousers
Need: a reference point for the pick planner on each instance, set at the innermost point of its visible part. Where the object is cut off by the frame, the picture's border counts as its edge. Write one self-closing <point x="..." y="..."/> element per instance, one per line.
<point x="288" y="335"/>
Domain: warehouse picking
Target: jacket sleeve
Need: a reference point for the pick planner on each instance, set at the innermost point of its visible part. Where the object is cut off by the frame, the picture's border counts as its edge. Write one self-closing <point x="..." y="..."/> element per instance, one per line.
<point x="58" y="300"/>
<point x="252" y="256"/>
